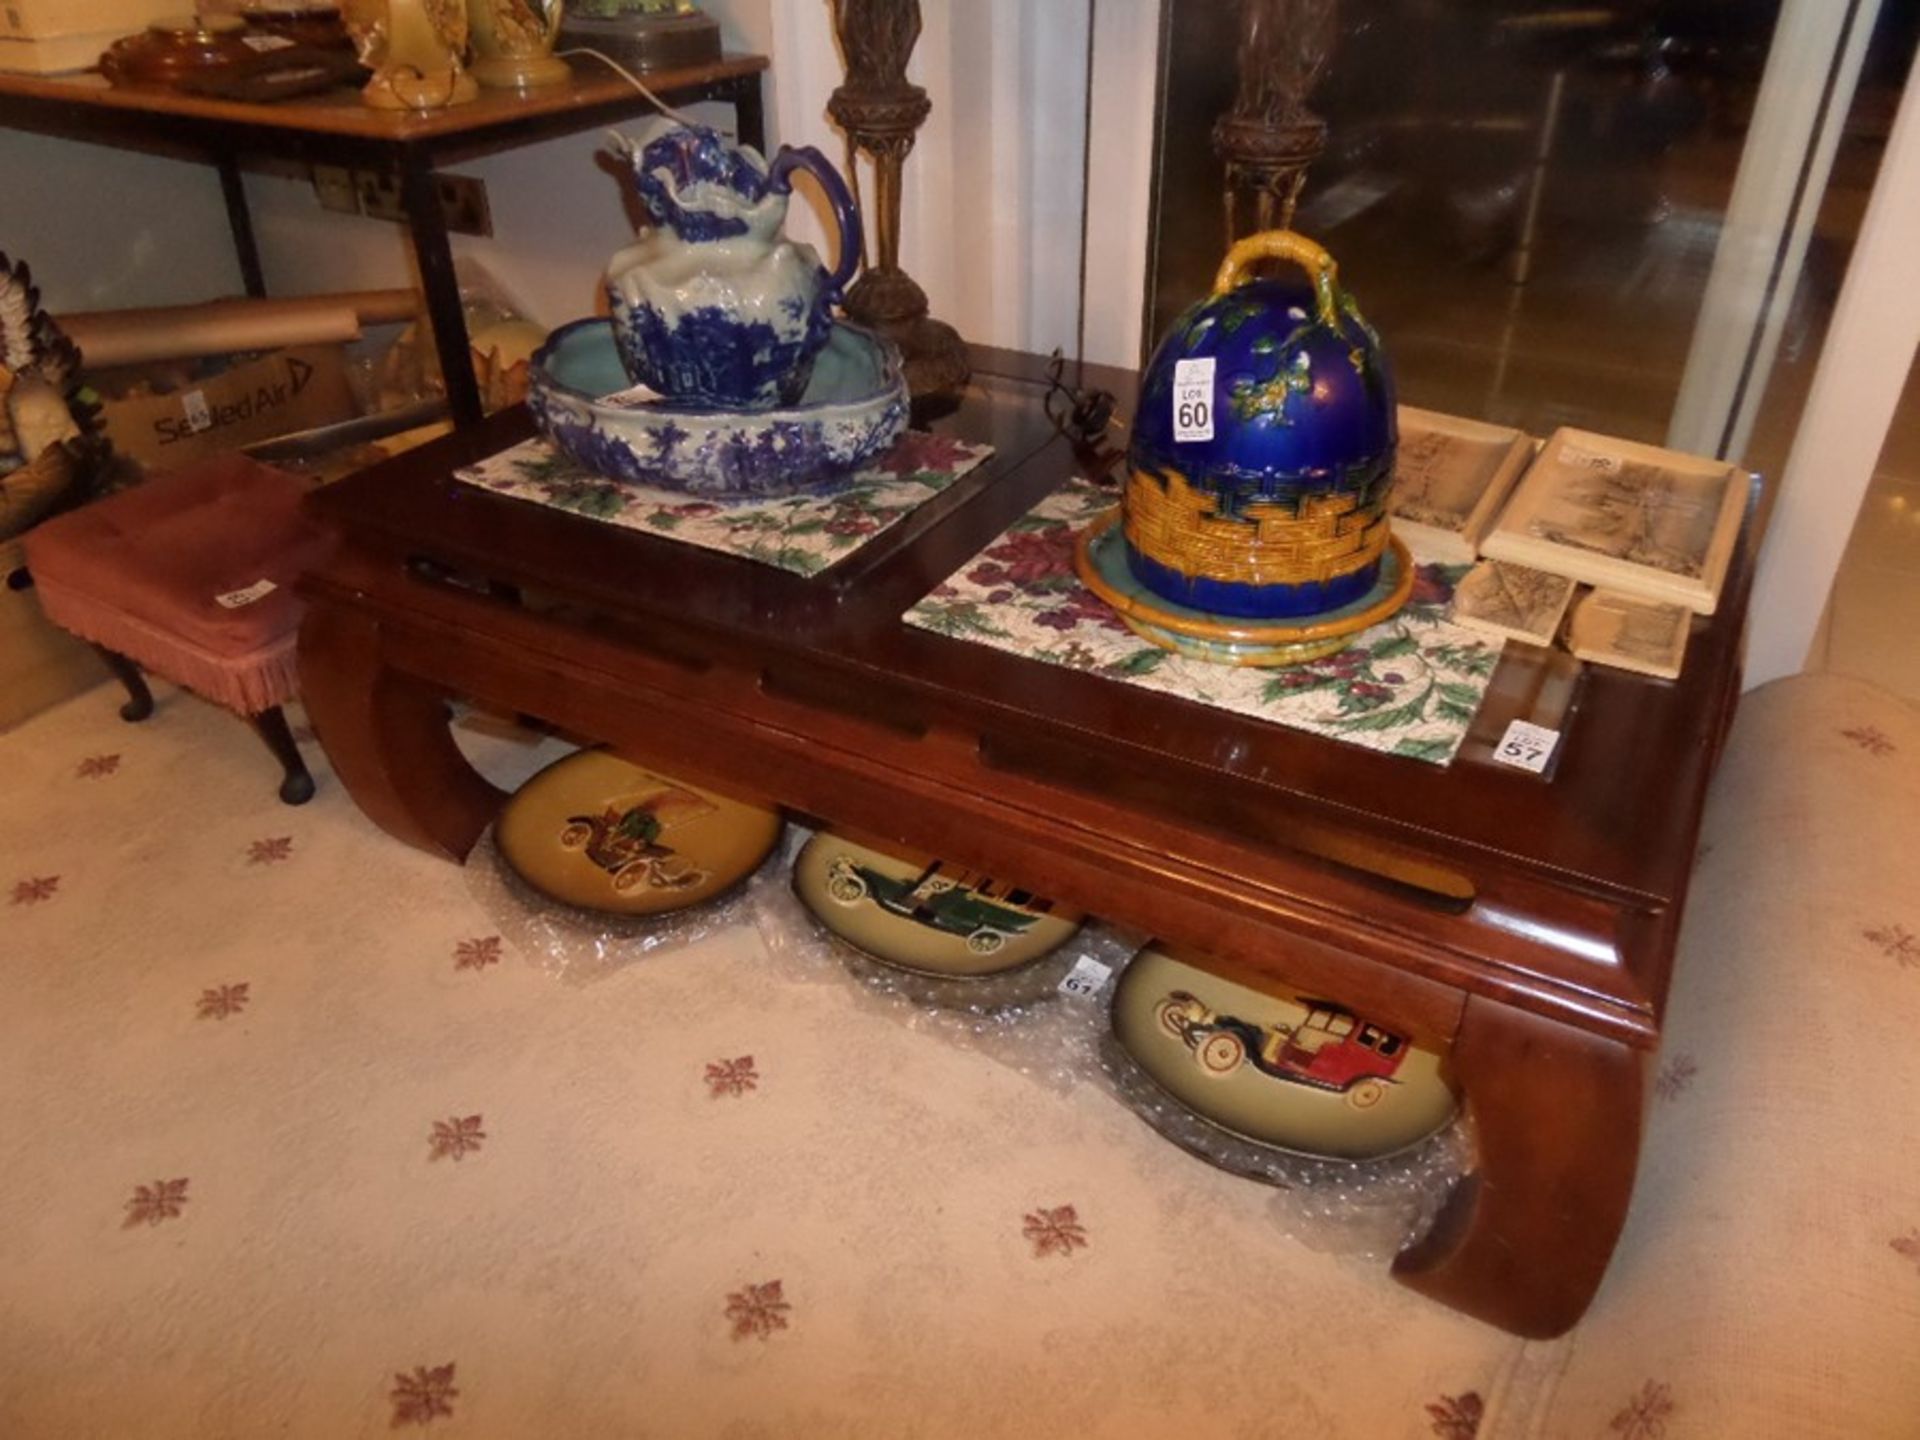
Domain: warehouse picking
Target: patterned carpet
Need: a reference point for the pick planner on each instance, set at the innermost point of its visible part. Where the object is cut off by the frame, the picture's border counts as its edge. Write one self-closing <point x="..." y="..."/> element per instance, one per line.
<point x="297" y="1144"/>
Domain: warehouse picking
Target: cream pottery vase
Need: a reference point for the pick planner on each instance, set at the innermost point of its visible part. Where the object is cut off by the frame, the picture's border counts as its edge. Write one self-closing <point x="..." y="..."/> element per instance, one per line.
<point x="414" y="48"/>
<point x="513" y="44"/>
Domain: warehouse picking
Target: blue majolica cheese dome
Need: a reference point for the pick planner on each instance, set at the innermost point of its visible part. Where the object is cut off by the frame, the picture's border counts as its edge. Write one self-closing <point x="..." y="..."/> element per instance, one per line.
<point x="1263" y="445"/>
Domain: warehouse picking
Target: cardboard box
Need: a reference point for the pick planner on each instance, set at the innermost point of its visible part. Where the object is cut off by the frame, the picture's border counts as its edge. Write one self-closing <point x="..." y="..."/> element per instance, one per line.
<point x="263" y="399"/>
<point x="56" y="54"/>
<point x="40" y="664"/>
<point x="49" y="19"/>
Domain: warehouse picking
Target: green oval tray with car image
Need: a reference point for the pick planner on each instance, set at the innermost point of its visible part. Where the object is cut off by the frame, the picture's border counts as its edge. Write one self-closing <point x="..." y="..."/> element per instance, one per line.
<point x="928" y="917"/>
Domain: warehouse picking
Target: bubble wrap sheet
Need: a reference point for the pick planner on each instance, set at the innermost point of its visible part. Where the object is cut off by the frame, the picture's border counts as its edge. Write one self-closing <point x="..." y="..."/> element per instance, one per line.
<point x="1022" y="1018"/>
<point x="1049" y="1020"/>
<point x="581" y="946"/>
<point x="1371" y="1208"/>
<point x="1345" y="1207"/>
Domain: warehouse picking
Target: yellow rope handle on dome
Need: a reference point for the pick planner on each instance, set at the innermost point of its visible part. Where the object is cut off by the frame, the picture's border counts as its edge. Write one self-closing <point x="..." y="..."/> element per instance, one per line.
<point x="1283" y="245"/>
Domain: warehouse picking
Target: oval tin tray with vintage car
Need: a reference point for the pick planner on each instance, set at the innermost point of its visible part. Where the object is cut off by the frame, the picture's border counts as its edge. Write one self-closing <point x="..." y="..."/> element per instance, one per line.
<point x="925" y="915"/>
<point x="1305" y="1075"/>
<point x="600" y="833"/>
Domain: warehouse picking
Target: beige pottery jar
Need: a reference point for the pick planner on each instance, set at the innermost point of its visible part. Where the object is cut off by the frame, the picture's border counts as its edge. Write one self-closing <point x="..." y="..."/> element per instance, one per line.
<point x="513" y="43"/>
<point x="416" y="50"/>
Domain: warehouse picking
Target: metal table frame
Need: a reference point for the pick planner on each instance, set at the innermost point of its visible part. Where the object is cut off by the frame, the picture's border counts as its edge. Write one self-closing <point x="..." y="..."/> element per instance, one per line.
<point x="225" y="133"/>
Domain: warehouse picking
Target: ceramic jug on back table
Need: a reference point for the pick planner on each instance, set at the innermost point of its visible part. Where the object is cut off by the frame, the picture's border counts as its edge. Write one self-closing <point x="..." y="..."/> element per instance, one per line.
<point x="513" y="43"/>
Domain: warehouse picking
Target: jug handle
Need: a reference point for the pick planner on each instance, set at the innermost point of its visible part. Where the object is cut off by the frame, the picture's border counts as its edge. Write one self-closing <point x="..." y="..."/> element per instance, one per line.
<point x="845" y="213"/>
<point x="556" y="13"/>
<point x="1284" y="245"/>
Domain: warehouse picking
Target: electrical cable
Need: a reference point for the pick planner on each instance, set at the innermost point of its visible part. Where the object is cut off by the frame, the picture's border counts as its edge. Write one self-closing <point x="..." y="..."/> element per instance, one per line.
<point x="631" y="78"/>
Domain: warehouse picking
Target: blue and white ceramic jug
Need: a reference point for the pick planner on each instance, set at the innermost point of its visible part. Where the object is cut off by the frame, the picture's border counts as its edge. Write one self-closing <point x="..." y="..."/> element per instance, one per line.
<point x="712" y="305"/>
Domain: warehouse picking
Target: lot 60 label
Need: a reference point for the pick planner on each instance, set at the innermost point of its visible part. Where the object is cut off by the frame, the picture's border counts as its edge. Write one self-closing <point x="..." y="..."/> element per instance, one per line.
<point x="1193" y="399"/>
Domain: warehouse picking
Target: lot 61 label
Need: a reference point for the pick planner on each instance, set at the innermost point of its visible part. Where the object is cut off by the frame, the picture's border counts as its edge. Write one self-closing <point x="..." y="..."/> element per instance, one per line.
<point x="1087" y="978"/>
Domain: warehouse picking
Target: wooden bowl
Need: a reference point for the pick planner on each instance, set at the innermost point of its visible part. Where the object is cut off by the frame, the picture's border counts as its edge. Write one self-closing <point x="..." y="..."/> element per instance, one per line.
<point x="174" y="49"/>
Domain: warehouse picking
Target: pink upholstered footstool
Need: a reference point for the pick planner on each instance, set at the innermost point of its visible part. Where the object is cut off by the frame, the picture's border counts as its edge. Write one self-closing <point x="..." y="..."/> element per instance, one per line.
<point x="191" y="576"/>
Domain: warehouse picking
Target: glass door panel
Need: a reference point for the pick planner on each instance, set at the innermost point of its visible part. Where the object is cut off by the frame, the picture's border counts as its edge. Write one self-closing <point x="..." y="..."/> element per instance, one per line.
<point x="1531" y="200"/>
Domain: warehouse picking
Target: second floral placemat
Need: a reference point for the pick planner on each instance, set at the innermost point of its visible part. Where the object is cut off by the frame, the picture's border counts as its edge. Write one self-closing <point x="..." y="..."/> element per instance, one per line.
<point x="1408" y="686"/>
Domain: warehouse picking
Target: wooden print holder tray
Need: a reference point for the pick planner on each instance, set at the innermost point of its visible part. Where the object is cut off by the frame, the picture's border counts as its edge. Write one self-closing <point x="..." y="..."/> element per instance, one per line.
<point x="1652" y="523"/>
<point x="1450" y="479"/>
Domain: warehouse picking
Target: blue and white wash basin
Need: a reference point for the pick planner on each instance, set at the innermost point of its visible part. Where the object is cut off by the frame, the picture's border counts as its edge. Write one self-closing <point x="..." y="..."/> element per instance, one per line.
<point x="853" y="408"/>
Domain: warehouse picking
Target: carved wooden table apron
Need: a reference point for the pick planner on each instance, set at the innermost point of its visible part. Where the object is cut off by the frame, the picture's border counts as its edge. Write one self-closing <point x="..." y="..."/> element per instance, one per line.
<point x="1525" y="925"/>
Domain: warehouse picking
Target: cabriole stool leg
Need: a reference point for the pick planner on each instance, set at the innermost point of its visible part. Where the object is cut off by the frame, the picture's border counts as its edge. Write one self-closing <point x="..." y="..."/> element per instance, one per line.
<point x="139" y="698"/>
<point x="271" y="726"/>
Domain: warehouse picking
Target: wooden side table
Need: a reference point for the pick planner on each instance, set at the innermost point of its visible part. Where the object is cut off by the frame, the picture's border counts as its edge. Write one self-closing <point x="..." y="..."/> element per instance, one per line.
<point x="1525" y="925"/>
<point x="336" y="129"/>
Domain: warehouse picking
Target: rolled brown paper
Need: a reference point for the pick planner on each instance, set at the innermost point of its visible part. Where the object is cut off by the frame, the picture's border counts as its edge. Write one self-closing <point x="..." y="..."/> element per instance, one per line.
<point x="374" y="307"/>
<point x="225" y="327"/>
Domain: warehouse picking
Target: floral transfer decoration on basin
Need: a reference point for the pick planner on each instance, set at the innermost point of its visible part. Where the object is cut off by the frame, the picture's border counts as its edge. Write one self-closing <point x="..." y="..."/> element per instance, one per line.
<point x="854" y="407"/>
<point x="1409" y="685"/>
<point x="801" y="533"/>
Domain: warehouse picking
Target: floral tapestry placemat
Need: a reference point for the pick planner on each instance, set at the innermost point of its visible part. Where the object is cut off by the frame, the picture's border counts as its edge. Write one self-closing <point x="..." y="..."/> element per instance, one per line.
<point x="801" y="533"/>
<point x="1408" y="686"/>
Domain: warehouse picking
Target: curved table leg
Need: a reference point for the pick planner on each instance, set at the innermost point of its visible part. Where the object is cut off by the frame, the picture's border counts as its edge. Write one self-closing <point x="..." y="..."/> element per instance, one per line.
<point x="386" y="735"/>
<point x="1524" y="1240"/>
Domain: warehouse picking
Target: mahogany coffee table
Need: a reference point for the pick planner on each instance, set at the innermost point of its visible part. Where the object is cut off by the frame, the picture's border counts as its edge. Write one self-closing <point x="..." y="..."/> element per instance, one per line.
<point x="1525" y="925"/>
